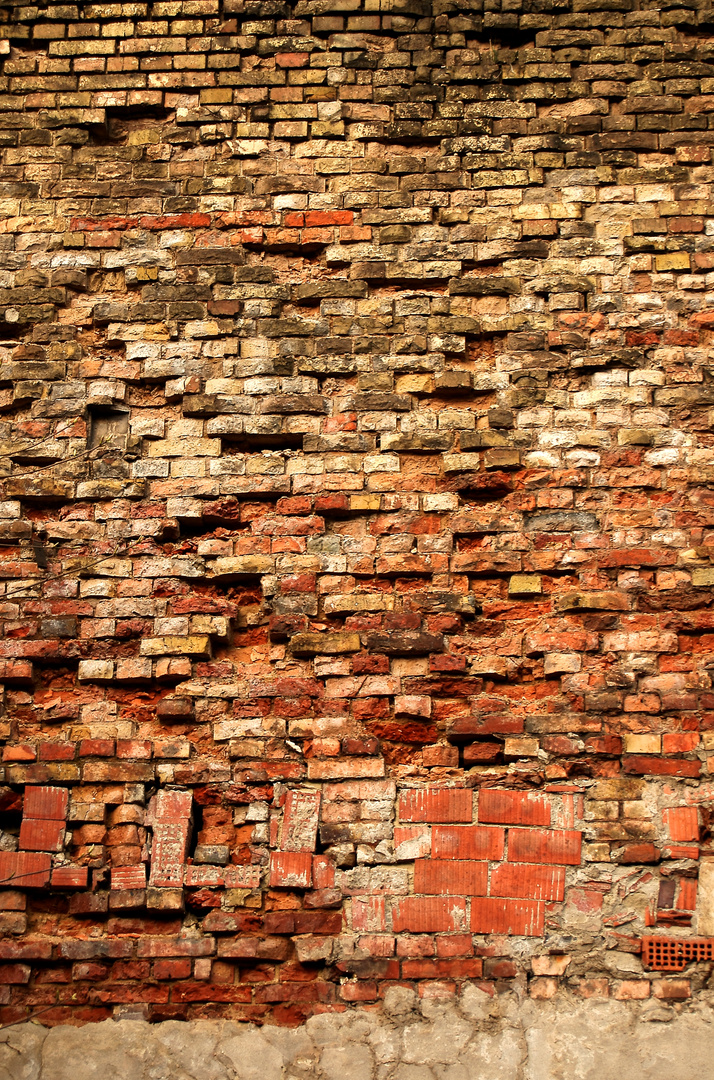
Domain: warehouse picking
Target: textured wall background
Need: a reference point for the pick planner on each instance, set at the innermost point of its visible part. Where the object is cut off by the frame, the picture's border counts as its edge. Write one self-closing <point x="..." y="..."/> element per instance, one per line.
<point x="356" y="520"/>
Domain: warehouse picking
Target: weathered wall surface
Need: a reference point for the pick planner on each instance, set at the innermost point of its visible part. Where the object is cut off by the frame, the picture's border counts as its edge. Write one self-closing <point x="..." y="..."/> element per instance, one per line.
<point x="356" y="513"/>
<point x="474" y="1039"/>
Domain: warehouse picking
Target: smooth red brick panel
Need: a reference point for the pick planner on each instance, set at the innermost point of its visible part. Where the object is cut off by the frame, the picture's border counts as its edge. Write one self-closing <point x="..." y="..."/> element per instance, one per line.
<point x="38" y="835"/>
<point x="449" y="804"/>
<point x="449" y="877"/>
<point x="687" y="895"/>
<point x="24" y="869"/>
<point x="495" y="916"/>
<point x="468" y="842"/>
<point x="513" y="807"/>
<point x="48" y="803"/>
<point x="528" y="882"/>
<point x="682" y="823"/>
<point x="428" y="914"/>
<point x="545" y="846"/>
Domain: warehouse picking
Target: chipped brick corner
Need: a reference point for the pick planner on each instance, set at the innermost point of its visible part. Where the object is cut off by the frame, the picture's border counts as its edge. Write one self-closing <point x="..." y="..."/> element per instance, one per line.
<point x="356" y="523"/>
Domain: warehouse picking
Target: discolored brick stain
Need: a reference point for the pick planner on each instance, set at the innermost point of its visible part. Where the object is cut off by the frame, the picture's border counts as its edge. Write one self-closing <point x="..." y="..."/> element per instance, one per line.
<point x="355" y="525"/>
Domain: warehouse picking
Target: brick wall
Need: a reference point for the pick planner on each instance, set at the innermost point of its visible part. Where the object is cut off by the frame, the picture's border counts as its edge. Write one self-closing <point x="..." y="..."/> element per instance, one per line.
<point x="356" y="517"/>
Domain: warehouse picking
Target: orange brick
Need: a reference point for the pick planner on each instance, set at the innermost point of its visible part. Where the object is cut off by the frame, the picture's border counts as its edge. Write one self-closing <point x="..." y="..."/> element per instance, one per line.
<point x="495" y="916"/>
<point x="48" y="803"/>
<point x="544" y="846"/>
<point x="70" y="877"/>
<point x="450" y="877"/>
<point x="428" y="914"/>
<point x="448" y="804"/>
<point x="24" y="869"/>
<point x="528" y="882"/>
<point x="513" y="807"/>
<point x="128" y="877"/>
<point x="38" y="835"/>
<point x="682" y="822"/>
<point x="469" y="842"/>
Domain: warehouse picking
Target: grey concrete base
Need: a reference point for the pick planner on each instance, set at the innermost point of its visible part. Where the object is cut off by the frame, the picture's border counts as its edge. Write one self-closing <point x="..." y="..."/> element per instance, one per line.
<point x="477" y="1039"/>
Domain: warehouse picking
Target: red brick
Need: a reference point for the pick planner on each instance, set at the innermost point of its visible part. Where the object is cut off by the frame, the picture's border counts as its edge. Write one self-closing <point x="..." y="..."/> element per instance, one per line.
<point x="632" y="990"/>
<point x="329" y="217"/>
<point x="96" y="748"/>
<point x="241" y="877"/>
<point x="292" y="60"/>
<point x="57" y="751"/>
<point x="450" y="877"/>
<point x="468" y="842"/>
<point x="176" y="946"/>
<point x="672" y="989"/>
<point x="48" y="803"/>
<point x="128" y="877"/>
<point x="171" y="807"/>
<point x="358" y="991"/>
<point x="290" y="869"/>
<point x="594" y="988"/>
<point x="542" y="989"/>
<point x="496" y="916"/>
<point x="528" y="882"/>
<point x="19" y="752"/>
<point x="323" y="872"/>
<point x="500" y="969"/>
<point x="37" y="835"/>
<point x="24" y="869"/>
<point x="682" y="822"/>
<point x="70" y="877"/>
<point x="468" y="968"/>
<point x="544" y="846"/>
<point x="641" y="765"/>
<point x="454" y="945"/>
<point x="14" y="974"/>
<point x="638" y="853"/>
<point x="171" y="969"/>
<point x="513" y="807"/>
<point x="368" y="913"/>
<point x="430" y="805"/>
<point x="27" y="949"/>
<point x="687" y="895"/>
<point x="426" y="915"/>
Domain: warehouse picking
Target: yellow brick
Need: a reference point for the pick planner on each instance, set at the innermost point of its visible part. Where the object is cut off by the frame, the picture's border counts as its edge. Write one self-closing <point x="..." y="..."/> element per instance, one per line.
<point x="642" y="744"/>
<point x="673" y="260"/>
<point x="173" y="645"/>
<point x="525" y="584"/>
<point x="415" y="384"/>
<point x="365" y="502"/>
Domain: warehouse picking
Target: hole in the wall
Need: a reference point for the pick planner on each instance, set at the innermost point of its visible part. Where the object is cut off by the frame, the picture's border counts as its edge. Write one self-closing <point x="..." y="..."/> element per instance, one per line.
<point x="246" y="444"/>
<point x="108" y="428"/>
<point x="119" y="122"/>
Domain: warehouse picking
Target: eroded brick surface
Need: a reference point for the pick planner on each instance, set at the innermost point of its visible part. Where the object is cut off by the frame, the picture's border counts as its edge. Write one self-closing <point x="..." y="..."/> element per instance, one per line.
<point x="356" y="513"/>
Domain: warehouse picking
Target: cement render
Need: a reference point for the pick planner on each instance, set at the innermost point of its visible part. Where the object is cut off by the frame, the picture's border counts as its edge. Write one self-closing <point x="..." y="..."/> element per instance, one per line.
<point x="476" y="1038"/>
